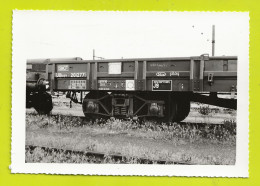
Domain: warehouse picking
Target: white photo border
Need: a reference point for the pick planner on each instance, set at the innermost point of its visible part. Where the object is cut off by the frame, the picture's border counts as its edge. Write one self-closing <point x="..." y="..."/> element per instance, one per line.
<point x="18" y="165"/>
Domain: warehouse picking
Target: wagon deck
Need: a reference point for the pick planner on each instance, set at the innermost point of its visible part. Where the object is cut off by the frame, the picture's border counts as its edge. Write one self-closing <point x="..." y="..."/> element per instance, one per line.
<point x="201" y="73"/>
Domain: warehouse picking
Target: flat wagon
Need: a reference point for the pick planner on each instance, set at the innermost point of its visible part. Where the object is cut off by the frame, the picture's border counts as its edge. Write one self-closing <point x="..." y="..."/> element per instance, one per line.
<point x="160" y="88"/>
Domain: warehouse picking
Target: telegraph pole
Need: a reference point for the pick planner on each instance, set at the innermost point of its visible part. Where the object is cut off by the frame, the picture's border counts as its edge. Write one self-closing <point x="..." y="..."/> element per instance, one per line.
<point x="94" y="55"/>
<point x="213" y="40"/>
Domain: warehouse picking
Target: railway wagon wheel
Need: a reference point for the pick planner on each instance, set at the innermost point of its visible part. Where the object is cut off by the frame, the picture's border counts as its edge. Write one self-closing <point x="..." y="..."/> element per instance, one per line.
<point x="176" y="106"/>
<point x="43" y="102"/>
<point x="93" y="95"/>
<point x="180" y="108"/>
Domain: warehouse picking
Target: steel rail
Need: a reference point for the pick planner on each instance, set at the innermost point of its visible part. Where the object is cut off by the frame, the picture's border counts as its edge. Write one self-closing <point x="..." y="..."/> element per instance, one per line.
<point x="101" y="155"/>
<point x="84" y="118"/>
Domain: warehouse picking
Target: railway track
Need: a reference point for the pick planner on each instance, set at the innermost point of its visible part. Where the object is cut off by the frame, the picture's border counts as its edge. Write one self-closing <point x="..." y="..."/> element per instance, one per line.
<point x="101" y="156"/>
<point x="83" y="118"/>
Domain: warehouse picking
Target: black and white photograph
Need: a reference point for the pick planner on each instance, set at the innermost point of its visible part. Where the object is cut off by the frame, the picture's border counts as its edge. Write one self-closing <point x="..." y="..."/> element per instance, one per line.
<point x="130" y="93"/>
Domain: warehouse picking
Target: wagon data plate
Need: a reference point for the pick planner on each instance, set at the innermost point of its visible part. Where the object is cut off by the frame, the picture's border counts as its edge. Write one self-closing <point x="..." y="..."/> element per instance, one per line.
<point x="63" y="68"/>
<point x="161" y="85"/>
<point x="116" y="84"/>
<point x="114" y="68"/>
<point x="77" y="84"/>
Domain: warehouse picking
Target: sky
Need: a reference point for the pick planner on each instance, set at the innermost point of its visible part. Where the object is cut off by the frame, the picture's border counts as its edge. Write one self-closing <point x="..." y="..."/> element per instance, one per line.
<point x="115" y="34"/>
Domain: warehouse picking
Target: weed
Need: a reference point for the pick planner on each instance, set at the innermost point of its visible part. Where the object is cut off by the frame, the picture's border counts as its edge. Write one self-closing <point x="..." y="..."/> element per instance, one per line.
<point x="204" y="110"/>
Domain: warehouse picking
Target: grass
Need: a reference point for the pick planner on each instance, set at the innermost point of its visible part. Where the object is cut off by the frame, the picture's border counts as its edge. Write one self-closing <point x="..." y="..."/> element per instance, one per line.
<point x="150" y="129"/>
<point x="46" y="156"/>
<point x="201" y="144"/>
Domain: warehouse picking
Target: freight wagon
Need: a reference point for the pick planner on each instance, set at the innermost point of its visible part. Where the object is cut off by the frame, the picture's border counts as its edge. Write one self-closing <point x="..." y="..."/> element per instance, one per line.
<point x="160" y="88"/>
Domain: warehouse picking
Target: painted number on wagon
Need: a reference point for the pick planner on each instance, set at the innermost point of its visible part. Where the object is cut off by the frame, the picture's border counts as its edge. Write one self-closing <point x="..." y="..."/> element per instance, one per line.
<point x="78" y="74"/>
